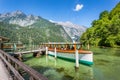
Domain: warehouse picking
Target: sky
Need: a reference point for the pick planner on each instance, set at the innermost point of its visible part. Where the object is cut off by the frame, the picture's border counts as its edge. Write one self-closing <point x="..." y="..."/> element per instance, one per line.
<point x="81" y="12"/>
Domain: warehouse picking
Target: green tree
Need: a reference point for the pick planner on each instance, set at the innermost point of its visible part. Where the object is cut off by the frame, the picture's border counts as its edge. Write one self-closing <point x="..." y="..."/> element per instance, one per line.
<point x="106" y="30"/>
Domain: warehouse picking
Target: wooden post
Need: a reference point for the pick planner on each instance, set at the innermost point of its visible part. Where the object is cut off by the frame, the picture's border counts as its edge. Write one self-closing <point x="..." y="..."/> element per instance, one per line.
<point x="16" y="66"/>
<point x="31" y="78"/>
<point x="75" y="46"/>
<point x="36" y="54"/>
<point x="20" y="57"/>
<point x="55" y="53"/>
<point x="77" y="59"/>
<point x="58" y="46"/>
<point x="50" y="46"/>
<point x="1" y="46"/>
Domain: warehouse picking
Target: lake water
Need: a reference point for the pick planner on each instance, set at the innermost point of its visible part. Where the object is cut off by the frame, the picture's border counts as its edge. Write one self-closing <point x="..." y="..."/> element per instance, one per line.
<point x="106" y="66"/>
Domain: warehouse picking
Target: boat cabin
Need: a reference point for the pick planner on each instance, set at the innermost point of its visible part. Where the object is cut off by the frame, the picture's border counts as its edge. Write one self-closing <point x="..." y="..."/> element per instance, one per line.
<point x="65" y="47"/>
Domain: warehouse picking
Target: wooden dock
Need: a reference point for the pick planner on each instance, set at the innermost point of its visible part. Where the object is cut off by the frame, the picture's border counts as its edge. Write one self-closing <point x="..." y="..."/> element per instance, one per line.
<point x="4" y="75"/>
<point x="13" y="65"/>
<point x="31" y="51"/>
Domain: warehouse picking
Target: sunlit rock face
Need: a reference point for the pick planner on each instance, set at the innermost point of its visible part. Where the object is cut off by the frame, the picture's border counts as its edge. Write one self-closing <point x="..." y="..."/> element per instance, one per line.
<point x="73" y="30"/>
<point x="19" y="18"/>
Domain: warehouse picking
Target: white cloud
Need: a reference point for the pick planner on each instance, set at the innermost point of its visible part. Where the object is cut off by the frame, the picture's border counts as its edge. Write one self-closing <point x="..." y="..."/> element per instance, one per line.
<point x="78" y="7"/>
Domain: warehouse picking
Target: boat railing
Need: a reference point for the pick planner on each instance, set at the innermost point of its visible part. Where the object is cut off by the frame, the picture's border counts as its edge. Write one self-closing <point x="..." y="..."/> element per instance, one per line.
<point x="62" y="45"/>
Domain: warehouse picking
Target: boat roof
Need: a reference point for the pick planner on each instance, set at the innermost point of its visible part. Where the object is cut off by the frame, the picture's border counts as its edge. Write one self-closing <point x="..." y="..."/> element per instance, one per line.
<point x="63" y="43"/>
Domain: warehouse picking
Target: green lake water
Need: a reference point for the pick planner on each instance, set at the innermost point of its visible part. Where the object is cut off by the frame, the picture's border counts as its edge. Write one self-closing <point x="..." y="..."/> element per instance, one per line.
<point x="106" y="66"/>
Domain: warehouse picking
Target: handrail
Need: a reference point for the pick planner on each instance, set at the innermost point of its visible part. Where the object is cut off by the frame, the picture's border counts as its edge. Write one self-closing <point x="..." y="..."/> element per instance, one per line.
<point x="15" y="72"/>
<point x="33" y="74"/>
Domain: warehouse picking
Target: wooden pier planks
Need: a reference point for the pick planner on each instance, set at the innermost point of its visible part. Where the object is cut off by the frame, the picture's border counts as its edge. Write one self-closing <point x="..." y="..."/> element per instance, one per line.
<point x="4" y="75"/>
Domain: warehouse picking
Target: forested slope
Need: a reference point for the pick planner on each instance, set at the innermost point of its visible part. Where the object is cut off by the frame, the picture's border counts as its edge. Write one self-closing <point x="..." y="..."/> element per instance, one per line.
<point x="106" y="30"/>
<point x="36" y="34"/>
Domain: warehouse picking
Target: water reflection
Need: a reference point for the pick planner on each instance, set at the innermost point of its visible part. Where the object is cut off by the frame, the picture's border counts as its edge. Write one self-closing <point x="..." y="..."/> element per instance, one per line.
<point x="106" y="66"/>
<point x="83" y="72"/>
<point x="52" y="74"/>
<point x="77" y="76"/>
<point x="50" y="58"/>
<point x="46" y="59"/>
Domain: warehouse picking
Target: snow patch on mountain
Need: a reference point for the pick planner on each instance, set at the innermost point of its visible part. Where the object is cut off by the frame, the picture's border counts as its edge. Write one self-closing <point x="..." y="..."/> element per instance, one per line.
<point x="19" y="18"/>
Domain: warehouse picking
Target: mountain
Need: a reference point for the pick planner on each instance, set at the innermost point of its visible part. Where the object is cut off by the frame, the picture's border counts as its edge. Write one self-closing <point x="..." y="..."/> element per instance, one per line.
<point x="72" y="30"/>
<point x="19" y="26"/>
<point x="18" y="17"/>
<point x="106" y="30"/>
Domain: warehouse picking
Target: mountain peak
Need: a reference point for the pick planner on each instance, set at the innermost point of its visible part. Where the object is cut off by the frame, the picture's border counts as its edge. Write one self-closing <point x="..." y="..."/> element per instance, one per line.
<point x="17" y="12"/>
<point x="19" y="18"/>
<point x="69" y="24"/>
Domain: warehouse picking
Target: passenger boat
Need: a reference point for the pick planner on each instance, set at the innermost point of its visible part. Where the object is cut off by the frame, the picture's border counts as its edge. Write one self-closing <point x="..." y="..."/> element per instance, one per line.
<point x="67" y="51"/>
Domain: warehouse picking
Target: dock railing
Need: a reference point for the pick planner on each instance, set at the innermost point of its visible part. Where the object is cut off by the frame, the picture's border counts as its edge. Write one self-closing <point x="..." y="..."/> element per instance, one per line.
<point x="18" y="69"/>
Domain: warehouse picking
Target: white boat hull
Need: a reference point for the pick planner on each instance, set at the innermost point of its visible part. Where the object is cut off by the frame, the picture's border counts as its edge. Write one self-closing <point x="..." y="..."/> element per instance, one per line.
<point x="83" y="58"/>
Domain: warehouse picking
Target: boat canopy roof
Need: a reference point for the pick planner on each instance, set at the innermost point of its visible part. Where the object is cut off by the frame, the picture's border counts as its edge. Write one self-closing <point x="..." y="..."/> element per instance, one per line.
<point x="62" y="43"/>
